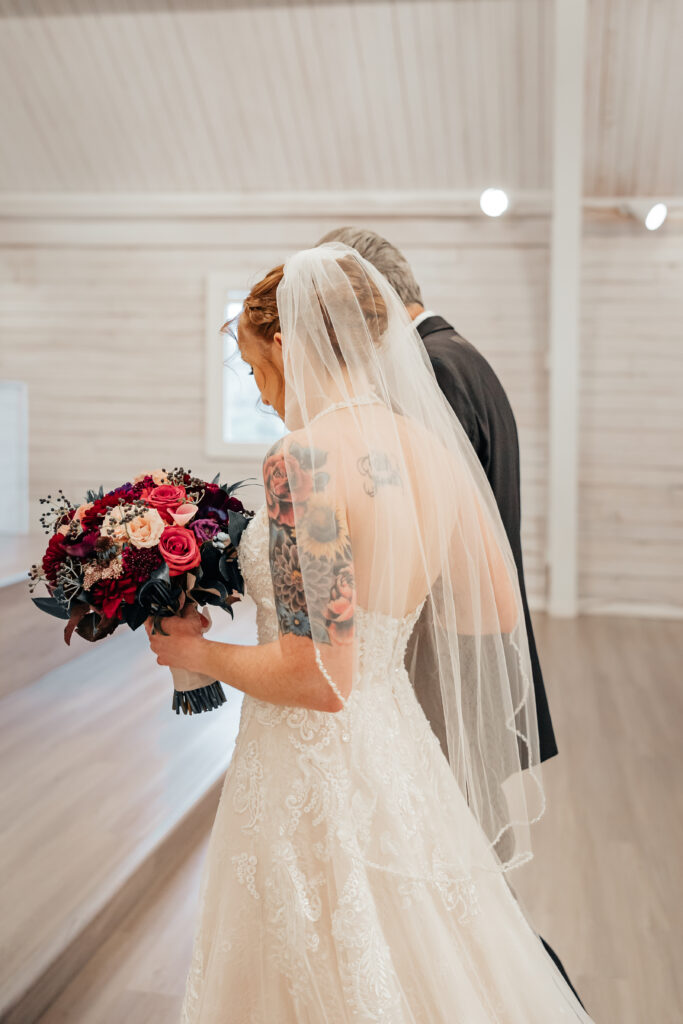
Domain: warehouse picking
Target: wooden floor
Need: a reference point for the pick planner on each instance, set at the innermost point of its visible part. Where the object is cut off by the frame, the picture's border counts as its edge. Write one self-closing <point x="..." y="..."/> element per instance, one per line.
<point x="103" y="790"/>
<point x="138" y="975"/>
<point x="604" y="888"/>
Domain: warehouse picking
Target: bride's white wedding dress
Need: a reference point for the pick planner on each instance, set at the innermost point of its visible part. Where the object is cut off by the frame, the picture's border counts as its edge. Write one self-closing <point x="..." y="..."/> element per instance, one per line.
<point x="336" y="885"/>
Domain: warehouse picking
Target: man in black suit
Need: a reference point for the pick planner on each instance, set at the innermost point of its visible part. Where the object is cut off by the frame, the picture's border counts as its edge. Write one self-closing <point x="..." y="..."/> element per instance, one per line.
<point x="479" y="400"/>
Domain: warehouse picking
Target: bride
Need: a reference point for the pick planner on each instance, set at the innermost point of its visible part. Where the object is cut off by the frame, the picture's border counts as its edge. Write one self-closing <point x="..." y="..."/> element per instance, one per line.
<point x="353" y="873"/>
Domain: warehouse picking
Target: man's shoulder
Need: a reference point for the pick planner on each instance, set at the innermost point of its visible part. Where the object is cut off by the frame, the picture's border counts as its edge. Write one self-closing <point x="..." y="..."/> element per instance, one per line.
<point x="443" y="341"/>
<point x="457" y="354"/>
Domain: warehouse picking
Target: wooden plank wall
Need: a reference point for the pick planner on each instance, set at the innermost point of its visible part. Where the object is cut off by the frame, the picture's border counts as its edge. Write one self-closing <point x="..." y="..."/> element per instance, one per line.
<point x="105" y="320"/>
<point x="631" y="432"/>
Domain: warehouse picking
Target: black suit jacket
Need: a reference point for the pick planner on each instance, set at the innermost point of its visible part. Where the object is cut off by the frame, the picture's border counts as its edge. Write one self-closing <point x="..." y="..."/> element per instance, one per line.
<point x="480" y="403"/>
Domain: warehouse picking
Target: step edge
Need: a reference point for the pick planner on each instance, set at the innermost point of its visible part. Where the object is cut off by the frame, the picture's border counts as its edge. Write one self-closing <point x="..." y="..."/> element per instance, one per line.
<point x="33" y="994"/>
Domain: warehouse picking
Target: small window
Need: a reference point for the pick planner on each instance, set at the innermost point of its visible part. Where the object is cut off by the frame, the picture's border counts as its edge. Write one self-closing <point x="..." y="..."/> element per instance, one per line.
<point x="238" y="425"/>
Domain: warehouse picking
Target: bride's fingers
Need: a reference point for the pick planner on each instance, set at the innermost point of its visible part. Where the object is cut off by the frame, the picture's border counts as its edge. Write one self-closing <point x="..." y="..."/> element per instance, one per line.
<point x="194" y="618"/>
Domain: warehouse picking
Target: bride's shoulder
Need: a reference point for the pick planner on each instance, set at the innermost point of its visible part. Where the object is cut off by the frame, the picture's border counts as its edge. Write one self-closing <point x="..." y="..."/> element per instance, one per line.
<point x="305" y="445"/>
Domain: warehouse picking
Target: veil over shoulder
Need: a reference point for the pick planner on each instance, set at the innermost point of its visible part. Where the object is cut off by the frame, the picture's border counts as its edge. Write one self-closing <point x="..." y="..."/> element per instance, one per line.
<point x="413" y="525"/>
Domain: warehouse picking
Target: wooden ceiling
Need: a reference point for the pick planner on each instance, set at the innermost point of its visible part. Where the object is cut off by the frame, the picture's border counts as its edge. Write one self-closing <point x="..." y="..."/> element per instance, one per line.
<point x="174" y="95"/>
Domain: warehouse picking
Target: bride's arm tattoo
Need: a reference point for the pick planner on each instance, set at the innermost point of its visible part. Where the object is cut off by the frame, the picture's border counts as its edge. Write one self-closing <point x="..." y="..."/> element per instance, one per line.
<point x="380" y="470"/>
<point x="310" y="550"/>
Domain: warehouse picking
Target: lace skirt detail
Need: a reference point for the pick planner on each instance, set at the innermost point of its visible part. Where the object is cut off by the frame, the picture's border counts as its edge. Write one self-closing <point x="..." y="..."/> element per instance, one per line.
<point x="336" y="886"/>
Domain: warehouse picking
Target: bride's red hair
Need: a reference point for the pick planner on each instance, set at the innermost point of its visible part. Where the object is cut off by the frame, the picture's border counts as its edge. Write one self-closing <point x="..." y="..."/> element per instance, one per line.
<point x="260" y="310"/>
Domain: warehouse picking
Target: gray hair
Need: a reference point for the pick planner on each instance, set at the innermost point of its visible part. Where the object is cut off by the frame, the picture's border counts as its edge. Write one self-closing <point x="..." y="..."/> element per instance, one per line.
<point x="384" y="257"/>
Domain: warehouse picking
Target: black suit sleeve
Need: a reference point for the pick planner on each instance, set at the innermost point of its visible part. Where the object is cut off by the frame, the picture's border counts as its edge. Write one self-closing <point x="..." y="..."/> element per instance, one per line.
<point x="461" y="403"/>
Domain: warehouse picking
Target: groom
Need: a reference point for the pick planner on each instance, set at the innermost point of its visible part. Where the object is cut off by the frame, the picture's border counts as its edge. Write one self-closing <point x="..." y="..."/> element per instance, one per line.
<point x="479" y="401"/>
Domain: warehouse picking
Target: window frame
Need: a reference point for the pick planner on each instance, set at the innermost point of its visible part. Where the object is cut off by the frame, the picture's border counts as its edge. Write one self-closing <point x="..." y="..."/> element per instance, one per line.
<point x="218" y="285"/>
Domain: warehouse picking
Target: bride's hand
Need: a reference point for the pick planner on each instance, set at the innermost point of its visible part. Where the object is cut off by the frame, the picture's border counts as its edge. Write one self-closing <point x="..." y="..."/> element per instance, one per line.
<point x="180" y="647"/>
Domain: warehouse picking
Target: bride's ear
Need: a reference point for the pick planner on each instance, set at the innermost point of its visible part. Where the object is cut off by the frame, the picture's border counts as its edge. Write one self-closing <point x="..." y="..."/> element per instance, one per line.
<point x="277" y="351"/>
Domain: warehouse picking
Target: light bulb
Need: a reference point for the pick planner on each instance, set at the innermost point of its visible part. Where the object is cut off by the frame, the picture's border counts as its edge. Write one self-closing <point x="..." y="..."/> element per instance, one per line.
<point x="493" y="202"/>
<point x="656" y="217"/>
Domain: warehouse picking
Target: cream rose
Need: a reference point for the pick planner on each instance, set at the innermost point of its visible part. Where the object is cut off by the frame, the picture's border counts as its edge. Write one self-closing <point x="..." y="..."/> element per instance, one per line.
<point x="159" y="476"/>
<point x="145" y="530"/>
<point x="112" y="528"/>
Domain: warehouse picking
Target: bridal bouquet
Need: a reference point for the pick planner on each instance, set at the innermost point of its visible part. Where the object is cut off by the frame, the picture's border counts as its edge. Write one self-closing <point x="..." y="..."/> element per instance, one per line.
<point x="144" y="549"/>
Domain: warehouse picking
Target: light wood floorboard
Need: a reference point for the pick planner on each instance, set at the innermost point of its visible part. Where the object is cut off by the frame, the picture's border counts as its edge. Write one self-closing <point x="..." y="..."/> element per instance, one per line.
<point x="604" y="888"/>
<point x="138" y="974"/>
<point x="97" y="771"/>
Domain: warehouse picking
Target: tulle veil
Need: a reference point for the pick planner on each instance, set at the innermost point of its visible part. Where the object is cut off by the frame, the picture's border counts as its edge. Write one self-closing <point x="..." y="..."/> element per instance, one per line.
<point x="423" y="527"/>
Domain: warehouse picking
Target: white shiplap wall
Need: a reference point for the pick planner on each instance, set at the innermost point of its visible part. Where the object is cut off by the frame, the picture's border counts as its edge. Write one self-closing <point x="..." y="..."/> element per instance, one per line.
<point x="631" y="417"/>
<point x="113" y="311"/>
<point x="109" y="335"/>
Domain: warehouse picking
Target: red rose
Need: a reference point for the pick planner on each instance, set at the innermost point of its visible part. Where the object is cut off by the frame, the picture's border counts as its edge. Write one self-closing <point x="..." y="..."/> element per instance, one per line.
<point x="54" y="556"/>
<point x="179" y="549"/>
<point x="166" y="498"/>
<point x="287" y="484"/>
<point x="341" y="607"/>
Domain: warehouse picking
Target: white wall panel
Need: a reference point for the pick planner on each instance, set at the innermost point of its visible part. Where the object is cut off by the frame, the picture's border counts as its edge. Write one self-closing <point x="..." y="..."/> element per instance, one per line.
<point x="631" y="476"/>
<point x="105" y="321"/>
<point x="110" y="336"/>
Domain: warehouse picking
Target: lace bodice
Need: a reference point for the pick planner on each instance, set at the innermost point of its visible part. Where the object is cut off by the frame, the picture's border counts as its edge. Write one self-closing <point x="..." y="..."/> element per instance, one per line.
<point x="382" y="639"/>
<point x="255" y="567"/>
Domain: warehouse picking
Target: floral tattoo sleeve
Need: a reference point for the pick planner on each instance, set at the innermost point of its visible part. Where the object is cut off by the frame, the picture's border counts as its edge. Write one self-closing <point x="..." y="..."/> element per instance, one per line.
<point x="310" y="550"/>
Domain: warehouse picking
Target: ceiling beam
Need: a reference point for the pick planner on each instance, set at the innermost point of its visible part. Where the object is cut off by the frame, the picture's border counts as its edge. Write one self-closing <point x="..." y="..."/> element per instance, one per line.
<point x="254" y="205"/>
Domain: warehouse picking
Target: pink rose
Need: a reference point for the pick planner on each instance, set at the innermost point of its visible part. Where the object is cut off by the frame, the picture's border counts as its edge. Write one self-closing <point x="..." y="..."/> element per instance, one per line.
<point x="183" y="514"/>
<point x="166" y="499"/>
<point x="179" y="549"/>
<point x="287" y="484"/>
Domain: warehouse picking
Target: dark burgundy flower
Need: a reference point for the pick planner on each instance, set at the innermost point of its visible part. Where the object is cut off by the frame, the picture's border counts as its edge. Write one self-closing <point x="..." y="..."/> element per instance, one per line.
<point x="92" y="517"/>
<point x="140" y="563"/>
<point x="215" y="504"/>
<point x="144" y="486"/>
<point x="54" y="556"/>
<point x="109" y="595"/>
<point x="84" y="546"/>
